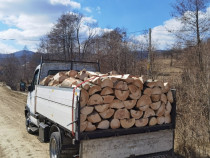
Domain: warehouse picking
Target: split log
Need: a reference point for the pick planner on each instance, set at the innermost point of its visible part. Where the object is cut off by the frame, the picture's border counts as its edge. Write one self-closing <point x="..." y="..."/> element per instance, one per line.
<point x="129" y="104"/>
<point x="161" y="110"/>
<point x="150" y="84"/>
<point x="106" y="82"/>
<point x="107" y="91"/>
<point x="83" y="126"/>
<point x="83" y="118"/>
<point x="82" y="75"/>
<point x="58" y="75"/>
<point x="90" y="127"/>
<point x="46" y="80"/>
<point x="94" y="118"/>
<point x="156" y="105"/>
<point x="103" y="124"/>
<point x="69" y="82"/>
<point x="155" y="97"/>
<point x="156" y="90"/>
<point x="92" y="74"/>
<point x="127" y="78"/>
<point x="159" y="84"/>
<point x="163" y="98"/>
<point x="168" y="119"/>
<point x="115" y="123"/>
<point x="86" y="86"/>
<point x="141" y="122"/>
<point x="168" y="108"/>
<point x="127" y="123"/>
<point x="53" y="83"/>
<point x="153" y="121"/>
<point x="166" y="87"/>
<point x="95" y="99"/>
<point x="86" y="110"/>
<point x="144" y="102"/>
<point x="135" y="92"/>
<point x="115" y="78"/>
<point x="170" y="97"/>
<point x="102" y="108"/>
<point x="93" y="89"/>
<point x="117" y="104"/>
<point x="148" y="113"/>
<point x="148" y="91"/>
<point x="122" y="114"/>
<point x="121" y="95"/>
<point x="71" y="73"/>
<point x="144" y="107"/>
<point x="137" y="82"/>
<point x="96" y="81"/>
<point x="107" y="114"/>
<point x="108" y="99"/>
<point x="161" y="120"/>
<point x="84" y="98"/>
<point x="136" y="113"/>
<point x="143" y="79"/>
<point x="120" y="85"/>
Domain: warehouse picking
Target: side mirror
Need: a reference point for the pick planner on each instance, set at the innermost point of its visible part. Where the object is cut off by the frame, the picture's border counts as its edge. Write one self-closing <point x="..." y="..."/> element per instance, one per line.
<point x="30" y="88"/>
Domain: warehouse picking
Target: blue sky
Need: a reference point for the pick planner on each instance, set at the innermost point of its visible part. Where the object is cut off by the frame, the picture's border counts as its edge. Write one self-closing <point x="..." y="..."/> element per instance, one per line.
<point x="28" y="20"/>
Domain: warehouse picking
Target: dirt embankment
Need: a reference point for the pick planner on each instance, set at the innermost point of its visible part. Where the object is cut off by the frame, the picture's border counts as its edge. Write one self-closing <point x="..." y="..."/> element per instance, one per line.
<point x="15" y="142"/>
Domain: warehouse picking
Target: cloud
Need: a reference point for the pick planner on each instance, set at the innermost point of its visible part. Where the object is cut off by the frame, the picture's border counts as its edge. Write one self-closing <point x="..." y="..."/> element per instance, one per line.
<point x="87" y="9"/>
<point x="66" y="3"/>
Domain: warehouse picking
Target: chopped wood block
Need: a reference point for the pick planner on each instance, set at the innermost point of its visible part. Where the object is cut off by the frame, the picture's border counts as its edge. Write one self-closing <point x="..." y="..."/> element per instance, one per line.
<point x="163" y="98"/>
<point x="71" y="73"/>
<point x="107" y="114"/>
<point x="108" y="98"/>
<point x="86" y="110"/>
<point x="153" y="121"/>
<point x="155" y="105"/>
<point x="150" y="84"/>
<point x="141" y="122"/>
<point x="53" y="83"/>
<point x="96" y="81"/>
<point x="166" y="87"/>
<point x="103" y="124"/>
<point x="83" y="126"/>
<point x="156" y="90"/>
<point x="86" y="86"/>
<point x="93" y="89"/>
<point x="127" y="78"/>
<point x="127" y="123"/>
<point x="69" y="82"/>
<point x="84" y="98"/>
<point x="129" y="104"/>
<point x="137" y="82"/>
<point x="168" y="119"/>
<point x="90" y="127"/>
<point x="143" y="79"/>
<point x="122" y="114"/>
<point x="170" y="97"/>
<point x="83" y="117"/>
<point x="144" y="107"/>
<point x="155" y="97"/>
<point x="92" y="74"/>
<point x="160" y="120"/>
<point x="148" y="91"/>
<point x="135" y="92"/>
<point x="107" y="91"/>
<point x="120" y="85"/>
<point x="95" y="99"/>
<point x="102" y="108"/>
<point x="106" y="82"/>
<point x="136" y="113"/>
<point x="168" y="108"/>
<point x="82" y="75"/>
<point x="62" y="78"/>
<point x="115" y="123"/>
<point x="115" y="78"/>
<point x="117" y="104"/>
<point x="149" y="112"/>
<point x="46" y="80"/>
<point x="161" y="110"/>
<point x="121" y="95"/>
<point x="159" y="84"/>
<point x="94" y="118"/>
<point x="59" y="74"/>
<point x="144" y="100"/>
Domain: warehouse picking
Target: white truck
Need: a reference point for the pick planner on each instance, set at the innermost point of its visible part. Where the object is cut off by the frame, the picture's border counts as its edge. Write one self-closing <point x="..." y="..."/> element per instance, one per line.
<point x="52" y="113"/>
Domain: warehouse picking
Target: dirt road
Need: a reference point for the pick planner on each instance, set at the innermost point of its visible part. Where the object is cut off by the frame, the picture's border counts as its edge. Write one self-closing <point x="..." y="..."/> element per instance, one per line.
<point x="15" y="142"/>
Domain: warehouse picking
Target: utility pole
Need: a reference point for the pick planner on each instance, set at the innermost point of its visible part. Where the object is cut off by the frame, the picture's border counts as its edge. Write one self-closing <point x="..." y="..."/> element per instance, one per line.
<point x="149" y="66"/>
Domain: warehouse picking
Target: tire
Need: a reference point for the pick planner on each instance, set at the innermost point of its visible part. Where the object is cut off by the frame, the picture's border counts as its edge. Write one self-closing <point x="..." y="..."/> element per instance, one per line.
<point x="28" y="129"/>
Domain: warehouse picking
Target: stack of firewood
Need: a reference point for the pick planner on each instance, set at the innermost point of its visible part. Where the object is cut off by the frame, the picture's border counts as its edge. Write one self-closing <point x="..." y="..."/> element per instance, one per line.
<point x="117" y="101"/>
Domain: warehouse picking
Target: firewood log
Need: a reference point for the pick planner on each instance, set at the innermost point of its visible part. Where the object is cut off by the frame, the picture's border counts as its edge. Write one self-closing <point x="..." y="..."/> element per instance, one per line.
<point x="83" y="118"/>
<point x="127" y="78"/>
<point x="135" y="92"/>
<point x="86" y="110"/>
<point x="155" y="105"/>
<point x="153" y="121"/>
<point x="150" y="84"/>
<point x="136" y="113"/>
<point x="107" y="114"/>
<point x="166" y="87"/>
<point x="94" y="118"/>
<point x="46" y="80"/>
<point x="58" y="75"/>
<point x="121" y="95"/>
<point x="84" y="98"/>
<point x="137" y="82"/>
<point x="160" y="120"/>
<point x="96" y="81"/>
<point x="71" y="73"/>
<point x="53" y="82"/>
<point x="156" y="91"/>
<point x="106" y="82"/>
<point x="104" y="124"/>
<point x="168" y="108"/>
<point x="115" y="123"/>
<point x="120" y="85"/>
<point x="86" y="86"/>
<point x="102" y="108"/>
<point x="107" y="91"/>
<point x="143" y="79"/>
<point x="141" y="122"/>
<point x="127" y="123"/>
<point x="117" y="104"/>
<point x="95" y="99"/>
<point x="90" y="127"/>
<point x="108" y="98"/>
<point x="170" y="96"/>
<point x="155" y="97"/>
<point x="161" y="110"/>
<point x="144" y="102"/>
<point x="168" y="119"/>
<point x="148" y="91"/>
<point x="92" y="74"/>
<point x="122" y="114"/>
<point x="93" y="89"/>
<point x="69" y="82"/>
<point x="163" y="98"/>
<point x="83" y="126"/>
<point x="159" y="84"/>
<point x="82" y="75"/>
<point x="129" y="104"/>
<point x="148" y="113"/>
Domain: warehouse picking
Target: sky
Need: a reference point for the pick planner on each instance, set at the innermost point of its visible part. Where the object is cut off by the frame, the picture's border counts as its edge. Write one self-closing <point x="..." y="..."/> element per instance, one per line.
<point x="24" y="22"/>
